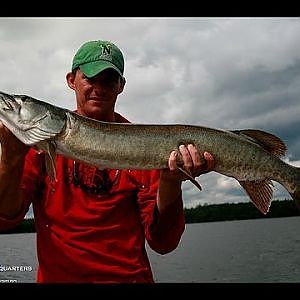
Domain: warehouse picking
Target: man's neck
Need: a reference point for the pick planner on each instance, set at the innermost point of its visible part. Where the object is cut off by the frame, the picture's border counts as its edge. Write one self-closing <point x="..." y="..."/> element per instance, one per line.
<point x="110" y="118"/>
<point x="105" y="118"/>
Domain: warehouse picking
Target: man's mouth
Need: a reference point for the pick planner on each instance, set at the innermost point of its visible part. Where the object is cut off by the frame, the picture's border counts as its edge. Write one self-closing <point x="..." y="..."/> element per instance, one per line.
<point x="98" y="99"/>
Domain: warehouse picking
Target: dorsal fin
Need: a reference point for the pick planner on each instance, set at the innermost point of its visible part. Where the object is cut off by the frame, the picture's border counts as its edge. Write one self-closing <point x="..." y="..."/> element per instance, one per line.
<point x="268" y="141"/>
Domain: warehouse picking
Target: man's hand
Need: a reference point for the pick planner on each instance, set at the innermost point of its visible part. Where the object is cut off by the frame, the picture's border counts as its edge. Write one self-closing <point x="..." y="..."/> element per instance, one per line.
<point x="11" y="148"/>
<point x="169" y="198"/>
<point x="11" y="168"/>
<point x="193" y="163"/>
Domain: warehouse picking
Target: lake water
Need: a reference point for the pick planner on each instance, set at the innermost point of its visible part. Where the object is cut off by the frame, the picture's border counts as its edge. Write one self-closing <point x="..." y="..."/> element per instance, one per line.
<point x="260" y="250"/>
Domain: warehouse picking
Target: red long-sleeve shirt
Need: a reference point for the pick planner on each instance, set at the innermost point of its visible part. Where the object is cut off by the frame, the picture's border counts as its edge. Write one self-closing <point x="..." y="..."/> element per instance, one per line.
<point x="82" y="237"/>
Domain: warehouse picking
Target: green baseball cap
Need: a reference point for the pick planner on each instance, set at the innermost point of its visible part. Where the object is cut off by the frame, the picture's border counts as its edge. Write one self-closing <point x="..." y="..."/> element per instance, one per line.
<point x="94" y="57"/>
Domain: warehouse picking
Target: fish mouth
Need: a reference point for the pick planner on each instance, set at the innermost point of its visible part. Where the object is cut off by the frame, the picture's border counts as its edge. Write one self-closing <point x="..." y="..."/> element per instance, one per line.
<point x="7" y="102"/>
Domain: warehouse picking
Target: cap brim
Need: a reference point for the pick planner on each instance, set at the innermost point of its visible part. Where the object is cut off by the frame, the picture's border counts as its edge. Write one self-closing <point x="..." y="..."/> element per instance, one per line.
<point x="93" y="68"/>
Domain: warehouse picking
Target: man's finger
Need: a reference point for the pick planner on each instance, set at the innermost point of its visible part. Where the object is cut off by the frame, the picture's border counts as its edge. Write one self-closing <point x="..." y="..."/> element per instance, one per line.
<point x="194" y="155"/>
<point x="209" y="160"/>
<point x="186" y="157"/>
<point x="172" y="161"/>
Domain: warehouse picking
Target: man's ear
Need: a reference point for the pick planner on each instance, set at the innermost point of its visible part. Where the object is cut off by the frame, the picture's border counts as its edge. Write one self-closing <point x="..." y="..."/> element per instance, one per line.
<point x="70" y="77"/>
<point x="122" y="84"/>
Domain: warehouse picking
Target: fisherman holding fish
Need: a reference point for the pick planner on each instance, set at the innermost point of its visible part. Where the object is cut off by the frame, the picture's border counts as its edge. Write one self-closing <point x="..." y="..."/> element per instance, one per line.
<point x="92" y="223"/>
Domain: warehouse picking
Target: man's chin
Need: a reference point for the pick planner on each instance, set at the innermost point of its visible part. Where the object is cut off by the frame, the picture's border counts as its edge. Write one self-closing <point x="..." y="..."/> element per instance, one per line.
<point x="95" y="112"/>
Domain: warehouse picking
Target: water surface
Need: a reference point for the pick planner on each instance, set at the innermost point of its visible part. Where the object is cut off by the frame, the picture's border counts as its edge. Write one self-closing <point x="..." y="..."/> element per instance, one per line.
<point x="260" y="250"/>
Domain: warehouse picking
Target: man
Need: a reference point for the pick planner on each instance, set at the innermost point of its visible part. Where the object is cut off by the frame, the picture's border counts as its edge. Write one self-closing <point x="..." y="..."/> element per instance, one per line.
<point x="91" y="225"/>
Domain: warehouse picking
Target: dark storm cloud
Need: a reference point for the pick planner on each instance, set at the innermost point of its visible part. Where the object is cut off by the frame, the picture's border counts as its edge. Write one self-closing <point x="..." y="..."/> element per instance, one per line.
<point x="258" y="80"/>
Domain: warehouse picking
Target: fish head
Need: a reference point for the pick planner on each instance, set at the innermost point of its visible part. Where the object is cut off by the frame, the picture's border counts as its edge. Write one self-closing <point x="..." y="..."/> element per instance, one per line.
<point x="29" y="119"/>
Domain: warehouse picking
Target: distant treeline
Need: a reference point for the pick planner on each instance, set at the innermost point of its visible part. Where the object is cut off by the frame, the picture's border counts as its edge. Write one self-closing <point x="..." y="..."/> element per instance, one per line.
<point x="27" y="225"/>
<point x="239" y="211"/>
<point x="210" y="213"/>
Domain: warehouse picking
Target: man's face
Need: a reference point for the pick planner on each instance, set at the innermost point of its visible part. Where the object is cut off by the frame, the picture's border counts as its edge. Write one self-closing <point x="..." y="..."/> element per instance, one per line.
<point x="96" y="96"/>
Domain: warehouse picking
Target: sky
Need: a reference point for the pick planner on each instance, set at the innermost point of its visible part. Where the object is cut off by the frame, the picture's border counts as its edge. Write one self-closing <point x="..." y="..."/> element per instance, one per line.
<point x="230" y="73"/>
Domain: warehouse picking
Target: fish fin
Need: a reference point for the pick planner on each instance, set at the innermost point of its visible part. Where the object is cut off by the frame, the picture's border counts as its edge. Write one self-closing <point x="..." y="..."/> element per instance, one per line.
<point x="260" y="193"/>
<point x="50" y="159"/>
<point x="192" y="179"/>
<point x="268" y="141"/>
<point x="35" y="135"/>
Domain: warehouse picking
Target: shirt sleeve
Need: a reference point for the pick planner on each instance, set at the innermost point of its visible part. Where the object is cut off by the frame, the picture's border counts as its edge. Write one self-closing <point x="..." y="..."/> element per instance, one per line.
<point x="162" y="233"/>
<point x="29" y="188"/>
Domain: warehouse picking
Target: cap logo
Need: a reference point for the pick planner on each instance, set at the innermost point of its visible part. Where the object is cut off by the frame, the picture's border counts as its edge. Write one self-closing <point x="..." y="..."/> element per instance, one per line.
<point x="106" y="52"/>
<point x="95" y="56"/>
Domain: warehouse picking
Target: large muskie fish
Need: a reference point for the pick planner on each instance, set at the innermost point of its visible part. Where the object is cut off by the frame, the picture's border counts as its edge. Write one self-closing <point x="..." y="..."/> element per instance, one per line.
<point x="250" y="156"/>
